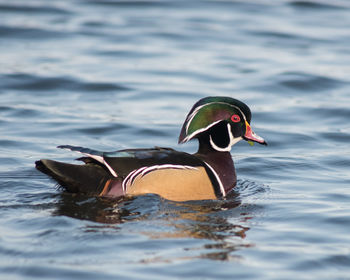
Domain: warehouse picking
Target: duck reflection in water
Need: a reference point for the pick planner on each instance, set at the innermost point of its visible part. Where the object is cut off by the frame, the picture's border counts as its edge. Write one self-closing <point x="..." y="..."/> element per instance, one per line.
<point x="222" y="222"/>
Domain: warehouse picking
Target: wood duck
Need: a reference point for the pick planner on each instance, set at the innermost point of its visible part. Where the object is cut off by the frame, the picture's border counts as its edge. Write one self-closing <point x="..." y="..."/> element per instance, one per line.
<point x="217" y="122"/>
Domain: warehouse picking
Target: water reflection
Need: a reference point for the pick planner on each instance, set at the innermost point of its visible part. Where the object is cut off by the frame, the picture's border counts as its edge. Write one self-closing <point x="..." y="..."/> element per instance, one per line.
<point x="221" y="224"/>
<point x="96" y="209"/>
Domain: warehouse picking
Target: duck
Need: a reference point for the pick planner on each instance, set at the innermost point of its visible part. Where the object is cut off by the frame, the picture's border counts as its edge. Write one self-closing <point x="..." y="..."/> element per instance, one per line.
<point x="217" y="122"/>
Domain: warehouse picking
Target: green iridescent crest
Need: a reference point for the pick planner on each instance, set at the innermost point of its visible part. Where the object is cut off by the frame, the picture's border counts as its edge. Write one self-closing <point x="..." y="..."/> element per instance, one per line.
<point x="209" y="111"/>
<point x="208" y="116"/>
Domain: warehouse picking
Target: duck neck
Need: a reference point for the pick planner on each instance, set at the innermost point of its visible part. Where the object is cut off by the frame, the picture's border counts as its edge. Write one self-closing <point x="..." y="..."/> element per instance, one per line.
<point x="221" y="162"/>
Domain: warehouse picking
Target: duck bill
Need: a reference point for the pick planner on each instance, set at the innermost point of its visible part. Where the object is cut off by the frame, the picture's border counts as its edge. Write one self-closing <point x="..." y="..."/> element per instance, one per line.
<point x="251" y="136"/>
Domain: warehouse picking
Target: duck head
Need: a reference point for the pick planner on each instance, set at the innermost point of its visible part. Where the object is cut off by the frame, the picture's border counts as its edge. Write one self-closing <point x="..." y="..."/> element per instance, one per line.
<point x="219" y="122"/>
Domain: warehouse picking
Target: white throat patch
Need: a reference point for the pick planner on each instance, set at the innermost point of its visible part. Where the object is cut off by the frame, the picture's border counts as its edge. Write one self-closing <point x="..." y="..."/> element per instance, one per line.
<point x="233" y="141"/>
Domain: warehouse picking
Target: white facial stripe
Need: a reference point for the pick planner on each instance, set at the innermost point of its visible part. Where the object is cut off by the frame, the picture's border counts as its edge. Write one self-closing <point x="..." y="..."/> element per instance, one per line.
<point x="189" y="137"/>
<point x="236" y="140"/>
<point x="233" y="141"/>
<point x="190" y="117"/>
<point x="222" y="189"/>
<point x="194" y="113"/>
<point x="230" y="134"/>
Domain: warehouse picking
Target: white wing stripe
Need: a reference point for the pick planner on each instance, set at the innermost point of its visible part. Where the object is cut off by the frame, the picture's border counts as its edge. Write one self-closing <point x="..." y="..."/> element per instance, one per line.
<point x="166" y="166"/>
<point x="102" y="160"/>
<point x="110" y="169"/>
<point x="128" y="181"/>
<point x="135" y="174"/>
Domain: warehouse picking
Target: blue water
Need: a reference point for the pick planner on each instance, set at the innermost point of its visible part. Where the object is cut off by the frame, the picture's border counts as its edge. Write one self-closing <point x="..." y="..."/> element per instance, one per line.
<point x="123" y="74"/>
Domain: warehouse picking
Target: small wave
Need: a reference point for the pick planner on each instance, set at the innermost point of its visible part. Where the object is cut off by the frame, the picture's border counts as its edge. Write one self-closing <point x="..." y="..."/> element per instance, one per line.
<point x="248" y="188"/>
<point x="29" y="33"/>
<point x="299" y="82"/>
<point x="280" y="35"/>
<point x="37" y="9"/>
<point x="319" y="5"/>
<point x="334" y="115"/>
<point x="22" y="174"/>
<point x="27" y="82"/>
<point x="106" y="129"/>
<point x="128" y="53"/>
<point x="305" y="81"/>
<point x="335" y="136"/>
<point x="132" y="4"/>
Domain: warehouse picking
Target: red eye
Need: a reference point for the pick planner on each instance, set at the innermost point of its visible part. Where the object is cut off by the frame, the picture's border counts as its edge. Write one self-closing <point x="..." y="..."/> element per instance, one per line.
<point x="235" y="118"/>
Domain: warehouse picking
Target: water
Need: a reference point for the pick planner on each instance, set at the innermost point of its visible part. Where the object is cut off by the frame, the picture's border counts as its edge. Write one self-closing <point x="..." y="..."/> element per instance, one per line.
<point x="123" y="74"/>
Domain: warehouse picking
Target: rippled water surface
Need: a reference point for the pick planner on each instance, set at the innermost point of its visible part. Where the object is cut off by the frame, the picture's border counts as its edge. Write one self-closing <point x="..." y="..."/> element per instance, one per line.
<point x="116" y="74"/>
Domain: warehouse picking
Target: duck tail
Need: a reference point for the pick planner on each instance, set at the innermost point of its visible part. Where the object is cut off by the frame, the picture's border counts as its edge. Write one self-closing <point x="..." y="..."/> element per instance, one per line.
<point x="86" y="178"/>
